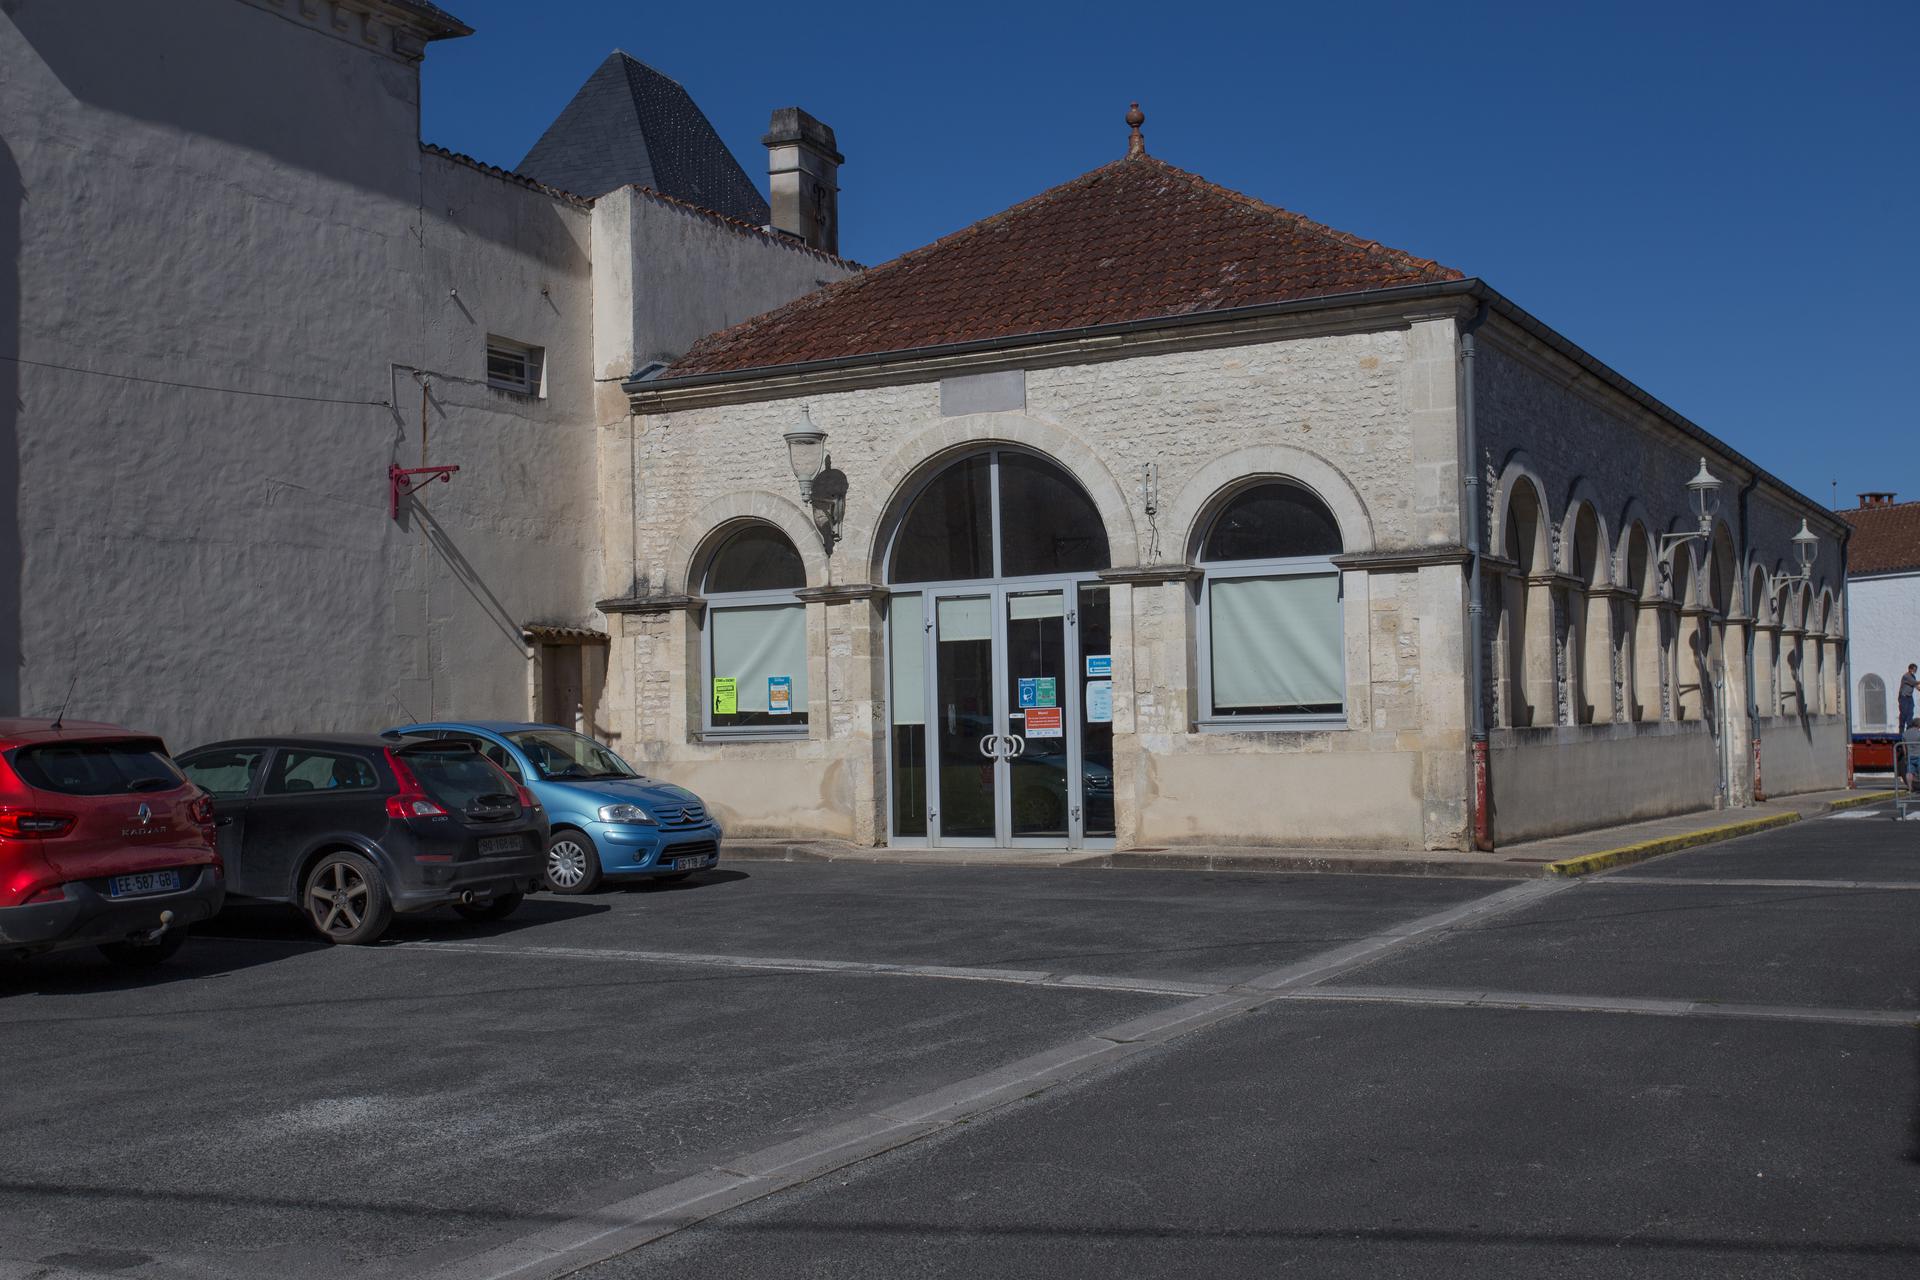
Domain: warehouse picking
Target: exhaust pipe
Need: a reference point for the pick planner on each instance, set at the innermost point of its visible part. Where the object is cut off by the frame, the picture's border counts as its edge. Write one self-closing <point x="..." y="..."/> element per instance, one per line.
<point x="466" y="898"/>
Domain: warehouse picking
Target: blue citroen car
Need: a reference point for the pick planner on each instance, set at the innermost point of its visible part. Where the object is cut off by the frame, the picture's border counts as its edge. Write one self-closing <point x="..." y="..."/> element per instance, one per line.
<point x="608" y="821"/>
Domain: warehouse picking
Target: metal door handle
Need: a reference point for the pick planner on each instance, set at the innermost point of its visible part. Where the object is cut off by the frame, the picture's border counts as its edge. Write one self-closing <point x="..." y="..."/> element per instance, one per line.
<point x="990" y="752"/>
<point x="1016" y="745"/>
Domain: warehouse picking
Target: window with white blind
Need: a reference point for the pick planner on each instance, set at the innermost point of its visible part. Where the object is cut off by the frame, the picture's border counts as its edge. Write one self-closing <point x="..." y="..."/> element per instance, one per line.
<point x="515" y="366"/>
<point x="754" y="654"/>
<point x="1271" y="616"/>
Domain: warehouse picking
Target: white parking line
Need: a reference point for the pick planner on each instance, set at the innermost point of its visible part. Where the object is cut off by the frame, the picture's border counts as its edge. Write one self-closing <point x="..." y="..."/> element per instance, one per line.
<point x="794" y="964"/>
<point x="1738" y="883"/>
<point x="1470" y="999"/>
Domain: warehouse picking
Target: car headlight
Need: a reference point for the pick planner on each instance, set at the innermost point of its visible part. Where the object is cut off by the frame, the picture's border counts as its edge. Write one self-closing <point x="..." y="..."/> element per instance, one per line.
<point x="625" y="813"/>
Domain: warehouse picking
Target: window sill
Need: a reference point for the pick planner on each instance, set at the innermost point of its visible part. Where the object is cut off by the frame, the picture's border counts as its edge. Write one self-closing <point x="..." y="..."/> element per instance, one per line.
<point x="1273" y="724"/>
<point x="799" y="733"/>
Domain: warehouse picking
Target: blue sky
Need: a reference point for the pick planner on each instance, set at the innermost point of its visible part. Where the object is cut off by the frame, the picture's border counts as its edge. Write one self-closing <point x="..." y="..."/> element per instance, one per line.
<point x="1720" y="201"/>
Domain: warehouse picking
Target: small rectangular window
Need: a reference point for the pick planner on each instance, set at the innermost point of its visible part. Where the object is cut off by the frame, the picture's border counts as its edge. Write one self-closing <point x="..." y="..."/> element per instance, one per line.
<point x="514" y="366"/>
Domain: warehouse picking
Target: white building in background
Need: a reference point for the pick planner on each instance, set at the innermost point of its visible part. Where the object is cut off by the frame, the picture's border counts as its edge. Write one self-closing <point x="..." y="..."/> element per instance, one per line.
<point x="236" y="288"/>
<point x="1883" y="586"/>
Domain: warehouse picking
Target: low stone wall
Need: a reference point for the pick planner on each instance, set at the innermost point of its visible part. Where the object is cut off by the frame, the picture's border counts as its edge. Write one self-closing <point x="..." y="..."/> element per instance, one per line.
<point x="1370" y="800"/>
<point x="1802" y="754"/>
<point x="1552" y="781"/>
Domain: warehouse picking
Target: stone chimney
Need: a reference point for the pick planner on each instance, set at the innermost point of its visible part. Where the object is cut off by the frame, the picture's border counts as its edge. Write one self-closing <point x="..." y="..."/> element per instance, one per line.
<point x="1881" y="499"/>
<point x="803" y="178"/>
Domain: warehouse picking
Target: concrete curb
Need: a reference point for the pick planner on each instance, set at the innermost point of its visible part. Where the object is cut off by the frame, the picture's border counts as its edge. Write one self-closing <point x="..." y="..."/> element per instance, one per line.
<point x="1859" y="801"/>
<point x="1588" y="863"/>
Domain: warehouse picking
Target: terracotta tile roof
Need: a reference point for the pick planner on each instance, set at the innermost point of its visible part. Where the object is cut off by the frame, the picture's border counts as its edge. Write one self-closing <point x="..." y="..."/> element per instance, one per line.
<point x="1132" y="240"/>
<point x="1886" y="539"/>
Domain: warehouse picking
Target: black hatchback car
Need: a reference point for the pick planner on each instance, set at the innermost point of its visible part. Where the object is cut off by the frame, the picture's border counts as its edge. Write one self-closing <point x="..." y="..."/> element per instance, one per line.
<point x="353" y="829"/>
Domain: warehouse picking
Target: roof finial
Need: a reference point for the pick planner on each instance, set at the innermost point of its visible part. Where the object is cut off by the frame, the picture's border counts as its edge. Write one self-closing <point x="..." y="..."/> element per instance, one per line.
<point x="1136" y="145"/>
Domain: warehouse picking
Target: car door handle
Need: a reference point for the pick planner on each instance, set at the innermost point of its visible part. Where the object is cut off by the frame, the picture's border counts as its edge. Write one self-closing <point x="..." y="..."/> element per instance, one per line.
<point x="223" y="822"/>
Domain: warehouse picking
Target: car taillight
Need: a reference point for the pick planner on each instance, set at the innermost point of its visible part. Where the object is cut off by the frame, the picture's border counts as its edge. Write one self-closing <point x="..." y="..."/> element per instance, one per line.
<point x="201" y="809"/>
<point x="412" y="802"/>
<point x="526" y="798"/>
<point x="29" y="824"/>
<point x="56" y="894"/>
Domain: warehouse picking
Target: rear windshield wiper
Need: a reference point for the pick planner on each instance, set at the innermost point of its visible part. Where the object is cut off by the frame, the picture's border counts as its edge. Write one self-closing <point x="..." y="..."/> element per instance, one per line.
<point x="151" y="784"/>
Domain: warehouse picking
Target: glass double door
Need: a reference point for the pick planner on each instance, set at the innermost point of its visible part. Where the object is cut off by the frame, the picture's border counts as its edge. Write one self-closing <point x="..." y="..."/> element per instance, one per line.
<point x="1008" y="718"/>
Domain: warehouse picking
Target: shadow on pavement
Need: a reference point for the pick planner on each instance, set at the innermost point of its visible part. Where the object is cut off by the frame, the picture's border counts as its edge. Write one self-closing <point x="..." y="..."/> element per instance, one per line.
<point x="698" y="880"/>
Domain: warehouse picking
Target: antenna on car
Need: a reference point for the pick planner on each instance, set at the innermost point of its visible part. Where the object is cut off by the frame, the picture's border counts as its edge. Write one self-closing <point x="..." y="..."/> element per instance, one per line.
<point x="62" y="713"/>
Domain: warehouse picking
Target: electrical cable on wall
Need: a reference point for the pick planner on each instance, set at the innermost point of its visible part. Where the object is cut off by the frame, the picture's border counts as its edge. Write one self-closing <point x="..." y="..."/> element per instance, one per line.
<point x="194" y="386"/>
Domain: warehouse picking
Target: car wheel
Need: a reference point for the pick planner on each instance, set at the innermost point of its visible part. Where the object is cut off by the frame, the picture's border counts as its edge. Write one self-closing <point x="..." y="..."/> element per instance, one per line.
<point x="573" y="864"/>
<point x="499" y="908"/>
<point x="145" y="955"/>
<point x="345" y="899"/>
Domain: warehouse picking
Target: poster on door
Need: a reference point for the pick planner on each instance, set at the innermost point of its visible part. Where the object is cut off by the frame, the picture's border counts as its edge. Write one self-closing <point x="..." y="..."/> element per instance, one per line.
<point x="1042" y="722"/>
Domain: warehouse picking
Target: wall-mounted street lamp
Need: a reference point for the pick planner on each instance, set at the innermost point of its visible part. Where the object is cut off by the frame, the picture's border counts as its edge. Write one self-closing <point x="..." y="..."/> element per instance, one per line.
<point x="827" y="503"/>
<point x="1806" y="547"/>
<point x="1703" y="495"/>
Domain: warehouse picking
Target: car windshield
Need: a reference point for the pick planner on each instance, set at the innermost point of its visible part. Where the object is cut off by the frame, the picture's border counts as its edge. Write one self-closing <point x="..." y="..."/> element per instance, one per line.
<point x="559" y="756"/>
<point x="458" y="778"/>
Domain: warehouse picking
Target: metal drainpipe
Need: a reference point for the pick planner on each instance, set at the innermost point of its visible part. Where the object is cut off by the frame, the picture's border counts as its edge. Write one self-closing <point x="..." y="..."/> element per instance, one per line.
<point x="1476" y="604"/>
<point x="1846" y="663"/>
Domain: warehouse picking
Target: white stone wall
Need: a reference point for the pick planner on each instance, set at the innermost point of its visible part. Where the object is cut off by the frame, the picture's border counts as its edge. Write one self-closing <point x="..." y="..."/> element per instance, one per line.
<point x="1345" y="413"/>
<point x="1884" y="636"/>
<point x="254" y="213"/>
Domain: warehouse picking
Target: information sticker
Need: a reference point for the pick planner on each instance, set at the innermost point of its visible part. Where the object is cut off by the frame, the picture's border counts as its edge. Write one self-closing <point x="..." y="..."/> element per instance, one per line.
<point x="779" y="695"/>
<point x="1029" y="691"/>
<point x="1099" y="702"/>
<point x="726" y="695"/>
<point x="1046" y="692"/>
<point x="1042" y="722"/>
<point x="1100" y="664"/>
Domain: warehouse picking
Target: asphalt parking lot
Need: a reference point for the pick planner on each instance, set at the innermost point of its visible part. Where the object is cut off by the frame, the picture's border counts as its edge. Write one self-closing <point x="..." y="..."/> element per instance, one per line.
<point x="1706" y="1064"/>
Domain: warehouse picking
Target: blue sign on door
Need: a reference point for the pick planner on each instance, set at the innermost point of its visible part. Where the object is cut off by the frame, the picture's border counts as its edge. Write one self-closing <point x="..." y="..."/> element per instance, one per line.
<point x="1100" y="665"/>
<point x="1029" y="691"/>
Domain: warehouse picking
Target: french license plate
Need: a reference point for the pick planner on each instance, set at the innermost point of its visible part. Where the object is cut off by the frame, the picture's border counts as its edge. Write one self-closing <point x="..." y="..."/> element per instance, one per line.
<point x="145" y="882"/>
<point x="694" y="863"/>
<point x="502" y="844"/>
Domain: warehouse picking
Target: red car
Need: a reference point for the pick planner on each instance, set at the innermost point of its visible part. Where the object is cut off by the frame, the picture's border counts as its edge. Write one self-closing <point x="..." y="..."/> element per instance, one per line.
<point x="103" y="843"/>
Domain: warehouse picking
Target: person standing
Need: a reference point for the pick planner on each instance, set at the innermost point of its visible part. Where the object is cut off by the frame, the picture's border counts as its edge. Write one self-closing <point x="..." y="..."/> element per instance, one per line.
<point x="1908" y="683"/>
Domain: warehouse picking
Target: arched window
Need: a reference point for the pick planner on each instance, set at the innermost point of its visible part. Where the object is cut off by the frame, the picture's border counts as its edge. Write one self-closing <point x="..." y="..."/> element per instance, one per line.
<point x="1272" y="630"/>
<point x="1046" y="523"/>
<point x="1872" y="711"/>
<point x="755" y="650"/>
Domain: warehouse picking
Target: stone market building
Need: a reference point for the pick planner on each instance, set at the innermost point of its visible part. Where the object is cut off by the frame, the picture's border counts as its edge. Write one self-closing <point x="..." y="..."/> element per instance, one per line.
<point x="1152" y="514"/>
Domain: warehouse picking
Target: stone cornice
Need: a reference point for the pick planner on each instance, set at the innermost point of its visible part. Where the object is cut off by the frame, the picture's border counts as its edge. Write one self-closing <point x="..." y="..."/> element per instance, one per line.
<point x="1403" y="558"/>
<point x="649" y="604"/>
<point x="397" y="29"/>
<point x="843" y="592"/>
<point x="1146" y="575"/>
<point x="1565" y="580"/>
<point x="1306" y="318"/>
<point x="1625" y="594"/>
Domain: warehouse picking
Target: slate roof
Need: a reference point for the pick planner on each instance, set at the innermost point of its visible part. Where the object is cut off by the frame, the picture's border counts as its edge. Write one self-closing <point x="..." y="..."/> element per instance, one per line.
<point x="1133" y="240"/>
<point x="1886" y="539"/>
<point x="631" y="126"/>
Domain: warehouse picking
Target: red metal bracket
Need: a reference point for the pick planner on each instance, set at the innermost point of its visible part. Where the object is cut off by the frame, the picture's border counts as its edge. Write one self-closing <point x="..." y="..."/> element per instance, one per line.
<point x="398" y="488"/>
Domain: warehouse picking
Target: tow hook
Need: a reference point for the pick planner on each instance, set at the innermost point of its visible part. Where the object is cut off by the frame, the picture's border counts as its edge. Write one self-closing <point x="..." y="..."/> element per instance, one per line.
<point x="148" y="939"/>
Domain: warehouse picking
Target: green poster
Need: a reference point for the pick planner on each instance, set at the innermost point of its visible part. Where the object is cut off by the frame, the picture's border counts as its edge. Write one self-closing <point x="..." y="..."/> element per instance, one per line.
<point x="726" y="695"/>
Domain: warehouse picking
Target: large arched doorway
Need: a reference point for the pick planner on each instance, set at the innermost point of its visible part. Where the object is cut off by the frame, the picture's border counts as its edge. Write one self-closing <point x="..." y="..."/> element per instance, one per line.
<point x="1000" y="659"/>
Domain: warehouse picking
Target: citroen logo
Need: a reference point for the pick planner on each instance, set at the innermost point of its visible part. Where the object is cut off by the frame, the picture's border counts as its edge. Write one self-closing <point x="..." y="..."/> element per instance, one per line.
<point x="144" y="813"/>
